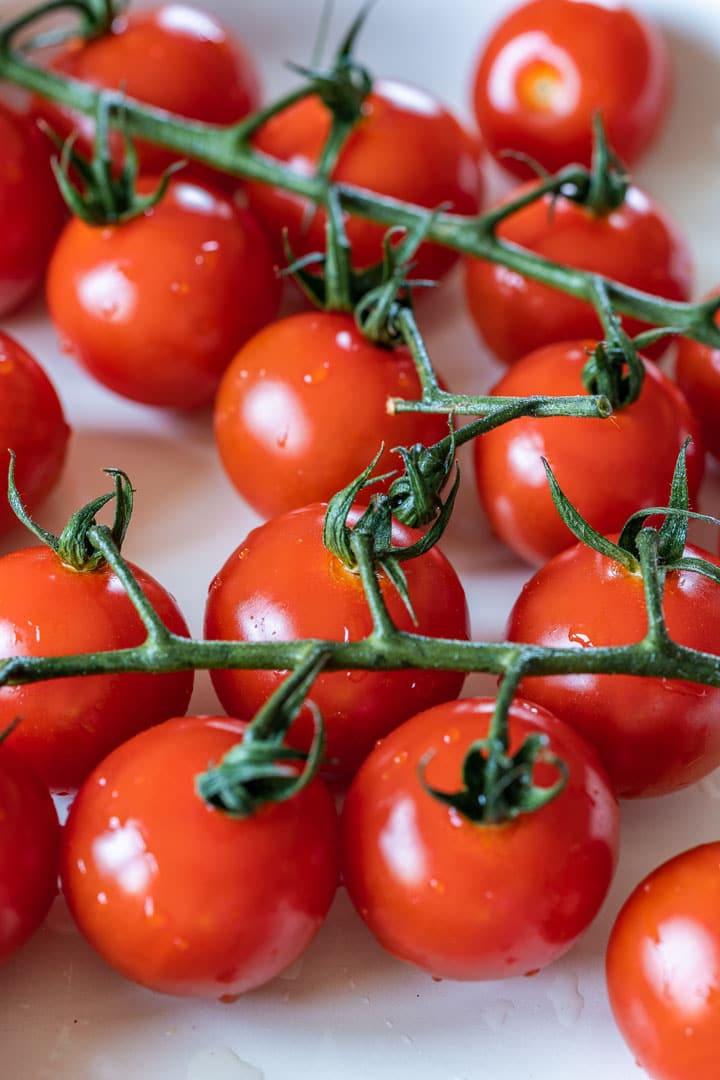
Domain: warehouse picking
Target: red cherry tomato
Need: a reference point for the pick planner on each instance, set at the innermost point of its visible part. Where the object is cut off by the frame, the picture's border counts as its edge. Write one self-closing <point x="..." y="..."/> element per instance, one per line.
<point x="29" y="842"/>
<point x="301" y="411"/>
<point x="387" y="152"/>
<point x="180" y="897"/>
<point x="663" y="975"/>
<point x="654" y="735"/>
<point x="550" y="65"/>
<point x="283" y="584"/>
<point x="175" y="57"/>
<point x="607" y="468"/>
<point x="156" y="308"/>
<point x="440" y="891"/>
<point x="32" y="424"/>
<point x="635" y="244"/>
<point x="31" y="209"/>
<point x="698" y="375"/>
<point x="50" y="609"/>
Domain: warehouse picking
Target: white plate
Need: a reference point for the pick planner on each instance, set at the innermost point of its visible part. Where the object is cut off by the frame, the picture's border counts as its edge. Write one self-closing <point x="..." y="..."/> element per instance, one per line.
<point x="347" y="1010"/>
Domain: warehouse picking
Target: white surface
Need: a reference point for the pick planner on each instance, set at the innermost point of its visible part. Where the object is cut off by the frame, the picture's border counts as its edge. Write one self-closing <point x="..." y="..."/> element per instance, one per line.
<point x="347" y="1010"/>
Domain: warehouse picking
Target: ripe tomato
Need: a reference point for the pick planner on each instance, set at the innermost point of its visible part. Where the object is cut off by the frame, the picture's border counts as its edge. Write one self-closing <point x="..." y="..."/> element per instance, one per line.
<point x="662" y="967"/>
<point x="302" y="410"/>
<point x="640" y="444"/>
<point x="155" y="308"/>
<point x="439" y="890"/>
<point x="32" y="424"/>
<point x="177" y="895"/>
<point x="654" y="735"/>
<point x="29" y="842"/>
<point x="387" y="152"/>
<point x="31" y="209"/>
<point x="635" y="244"/>
<point x="282" y="584"/>
<point x="698" y="375"/>
<point x="175" y="57"/>
<point x="550" y="65"/>
<point x="50" y="609"/>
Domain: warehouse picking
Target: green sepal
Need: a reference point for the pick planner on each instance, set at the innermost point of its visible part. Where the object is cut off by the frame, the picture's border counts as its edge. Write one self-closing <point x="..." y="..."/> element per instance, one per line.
<point x="672" y="534"/>
<point x="608" y="180"/>
<point x="336" y="533"/>
<point x="415" y="494"/>
<point x="94" y="19"/>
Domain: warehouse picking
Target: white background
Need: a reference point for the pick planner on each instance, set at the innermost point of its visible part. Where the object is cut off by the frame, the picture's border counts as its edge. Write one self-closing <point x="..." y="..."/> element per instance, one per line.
<point x="347" y="1010"/>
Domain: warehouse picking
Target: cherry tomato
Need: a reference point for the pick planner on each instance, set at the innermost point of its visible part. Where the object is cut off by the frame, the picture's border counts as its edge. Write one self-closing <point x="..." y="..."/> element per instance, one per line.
<point x="31" y="209"/>
<point x="654" y="735"/>
<point x="175" y="57"/>
<point x="50" y="609"/>
<point x="301" y="411"/>
<point x="635" y="244"/>
<point x="179" y="896"/>
<point x="698" y="375"/>
<point x="281" y="583"/>
<point x="639" y="444"/>
<point x="32" y="424"/>
<point x="155" y="308"/>
<point x="29" y="842"/>
<point x="468" y="901"/>
<point x="662" y="967"/>
<point x="550" y="65"/>
<point x="387" y="152"/>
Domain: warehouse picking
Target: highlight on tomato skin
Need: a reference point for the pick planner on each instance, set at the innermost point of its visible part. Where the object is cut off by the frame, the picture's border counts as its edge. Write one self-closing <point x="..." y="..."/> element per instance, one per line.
<point x="29" y="851"/>
<point x="663" y="975"/>
<point x="32" y="425"/>
<point x="465" y="900"/>
<point x="180" y="897"/>
<point x="281" y="583"/>
<point x="387" y="153"/>
<point x="550" y="65"/>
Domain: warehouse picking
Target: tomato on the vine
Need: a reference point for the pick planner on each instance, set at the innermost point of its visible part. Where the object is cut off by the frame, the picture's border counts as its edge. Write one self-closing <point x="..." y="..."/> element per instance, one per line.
<point x="155" y="308"/>
<point x="607" y="468"/>
<point x="387" y="153"/>
<point x="50" y="609"/>
<point x="654" y="735"/>
<point x="697" y="372"/>
<point x="32" y="424"/>
<point x="29" y="849"/>
<point x="282" y="583"/>
<point x="635" y="244"/>
<point x="663" y="974"/>
<point x="175" y="57"/>
<point x="31" y="209"/>
<point x="550" y="65"/>
<point x="302" y="410"/>
<point x="463" y="900"/>
<point x="178" y="895"/>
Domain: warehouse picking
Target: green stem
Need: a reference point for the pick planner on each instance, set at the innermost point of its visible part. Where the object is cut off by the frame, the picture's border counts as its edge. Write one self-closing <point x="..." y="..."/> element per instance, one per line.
<point x="653" y="585"/>
<point x="384" y="628"/>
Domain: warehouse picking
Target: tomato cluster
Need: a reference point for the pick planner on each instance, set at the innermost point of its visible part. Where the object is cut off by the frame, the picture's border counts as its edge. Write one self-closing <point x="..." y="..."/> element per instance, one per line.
<point x="175" y="307"/>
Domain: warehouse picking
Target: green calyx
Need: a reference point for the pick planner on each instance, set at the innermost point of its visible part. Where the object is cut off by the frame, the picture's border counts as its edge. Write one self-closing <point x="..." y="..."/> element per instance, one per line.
<point x="73" y="546"/>
<point x="94" y="19"/>
<point x="608" y="180"/>
<point x="105" y="196"/>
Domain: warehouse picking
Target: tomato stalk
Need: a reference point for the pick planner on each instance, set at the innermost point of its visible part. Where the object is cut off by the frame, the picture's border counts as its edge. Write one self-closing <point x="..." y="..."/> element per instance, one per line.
<point x="228" y="149"/>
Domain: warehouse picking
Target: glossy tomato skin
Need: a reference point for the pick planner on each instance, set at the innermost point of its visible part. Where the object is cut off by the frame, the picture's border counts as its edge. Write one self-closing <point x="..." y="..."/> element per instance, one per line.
<point x="31" y="209"/>
<point x="301" y="411"/>
<point x="32" y="424"/>
<point x="639" y="444"/>
<point x="175" y="57"/>
<point x="653" y="735"/>
<point x="635" y="244"/>
<point x="662" y="967"/>
<point x="29" y="849"/>
<point x="550" y="65"/>
<point x="387" y="153"/>
<point x="283" y="584"/>
<point x="156" y="308"/>
<point x="180" y="897"/>
<point x="467" y="901"/>
<point x="49" y="609"/>
<point x="697" y="373"/>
